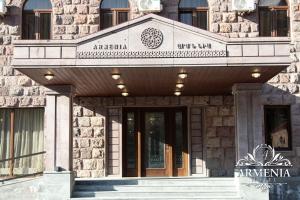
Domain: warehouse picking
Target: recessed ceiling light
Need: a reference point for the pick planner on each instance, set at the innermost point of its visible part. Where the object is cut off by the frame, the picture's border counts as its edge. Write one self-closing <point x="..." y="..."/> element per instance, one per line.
<point x="116" y="76"/>
<point x="177" y="93"/>
<point x="49" y="76"/>
<point x="182" y="75"/>
<point x="256" y="74"/>
<point x="125" y="94"/>
<point x="121" y="86"/>
<point x="179" y="85"/>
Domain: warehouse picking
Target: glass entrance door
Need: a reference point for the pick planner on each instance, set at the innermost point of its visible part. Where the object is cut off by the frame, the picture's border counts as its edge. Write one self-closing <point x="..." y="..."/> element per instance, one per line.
<point x="155" y="142"/>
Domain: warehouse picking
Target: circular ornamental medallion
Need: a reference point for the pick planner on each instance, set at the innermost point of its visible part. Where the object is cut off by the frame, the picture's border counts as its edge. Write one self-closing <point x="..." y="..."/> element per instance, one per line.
<point x="152" y="38"/>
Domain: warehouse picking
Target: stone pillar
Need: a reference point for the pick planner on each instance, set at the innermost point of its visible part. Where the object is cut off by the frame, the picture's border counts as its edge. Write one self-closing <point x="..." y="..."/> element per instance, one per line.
<point x="59" y="142"/>
<point x="58" y="128"/>
<point x="248" y="117"/>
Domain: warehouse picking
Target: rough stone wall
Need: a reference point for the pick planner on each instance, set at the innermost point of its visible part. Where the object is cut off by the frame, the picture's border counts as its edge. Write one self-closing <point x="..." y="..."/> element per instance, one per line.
<point x="89" y="132"/>
<point x="220" y="136"/>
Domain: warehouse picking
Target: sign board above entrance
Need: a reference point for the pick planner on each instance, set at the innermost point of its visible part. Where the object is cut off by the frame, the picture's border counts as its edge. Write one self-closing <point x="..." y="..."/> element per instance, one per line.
<point x="149" y="5"/>
<point x="150" y="42"/>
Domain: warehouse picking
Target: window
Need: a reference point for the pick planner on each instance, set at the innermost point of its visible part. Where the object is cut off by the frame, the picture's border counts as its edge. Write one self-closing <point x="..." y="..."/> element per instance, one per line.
<point x="113" y="12"/>
<point x="21" y="135"/>
<point x="36" y="20"/>
<point x="277" y="127"/>
<point x="273" y="18"/>
<point x="194" y="12"/>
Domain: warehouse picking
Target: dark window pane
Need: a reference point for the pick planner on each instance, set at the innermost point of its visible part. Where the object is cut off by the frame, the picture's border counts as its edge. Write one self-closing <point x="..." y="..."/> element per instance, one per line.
<point x="114" y="4"/>
<point x="201" y="21"/>
<point x="4" y="140"/>
<point x="277" y="126"/>
<point x="272" y="3"/>
<point x="282" y="23"/>
<point x="29" y="26"/>
<point x="45" y="26"/>
<point x="106" y="20"/>
<point x="131" y="161"/>
<point x="265" y="22"/>
<point x="122" y="17"/>
<point x="186" y="17"/>
<point x="193" y="3"/>
<point x="179" y="140"/>
<point x="37" y="4"/>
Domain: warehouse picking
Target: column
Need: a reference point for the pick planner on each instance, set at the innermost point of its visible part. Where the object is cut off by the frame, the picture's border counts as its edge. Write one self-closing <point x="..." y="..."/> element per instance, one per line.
<point x="59" y="142"/>
<point x="248" y="118"/>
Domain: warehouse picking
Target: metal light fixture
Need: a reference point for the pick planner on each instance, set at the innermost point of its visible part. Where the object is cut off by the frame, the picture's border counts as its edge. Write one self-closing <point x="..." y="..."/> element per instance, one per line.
<point x="179" y="85"/>
<point x="256" y="74"/>
<point x="177" y="93"/>
<point x="49" y="76"/>
<point x="121" y="86"/>
<point x="116" y="76"/>
<point x="182" y="75"/>
<point x="125" y="94"/>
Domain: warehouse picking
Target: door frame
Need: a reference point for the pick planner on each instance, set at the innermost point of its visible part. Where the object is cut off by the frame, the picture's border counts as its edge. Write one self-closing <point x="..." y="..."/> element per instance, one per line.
<point x="139" y="170"/>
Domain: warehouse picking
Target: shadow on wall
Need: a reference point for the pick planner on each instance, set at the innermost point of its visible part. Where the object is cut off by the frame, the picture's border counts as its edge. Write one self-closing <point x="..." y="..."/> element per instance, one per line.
<point x="286" y="94"/>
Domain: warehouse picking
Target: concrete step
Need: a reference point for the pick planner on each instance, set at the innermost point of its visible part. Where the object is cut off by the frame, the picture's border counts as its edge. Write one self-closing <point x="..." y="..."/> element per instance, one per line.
<point x="132" y="188"/>
<point x="169" y="198"/>
<point x="156" y="188"/>
<point x="162" y="182"/>
<point x="166" y="195"/>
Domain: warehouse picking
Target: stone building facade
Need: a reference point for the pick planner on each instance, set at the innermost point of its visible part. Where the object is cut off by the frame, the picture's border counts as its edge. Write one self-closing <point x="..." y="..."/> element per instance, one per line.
<point x="94" y="118"/>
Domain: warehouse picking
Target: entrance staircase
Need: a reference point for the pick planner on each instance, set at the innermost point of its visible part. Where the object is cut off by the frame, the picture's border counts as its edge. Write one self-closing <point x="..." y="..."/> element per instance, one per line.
<point x="156" y="188"/>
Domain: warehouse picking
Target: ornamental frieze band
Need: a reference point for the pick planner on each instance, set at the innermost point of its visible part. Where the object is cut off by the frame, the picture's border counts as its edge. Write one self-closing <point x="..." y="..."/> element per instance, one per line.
<point x="151" y="54"/>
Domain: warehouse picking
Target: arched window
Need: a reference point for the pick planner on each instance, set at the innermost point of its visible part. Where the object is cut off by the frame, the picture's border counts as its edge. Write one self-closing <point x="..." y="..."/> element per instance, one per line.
<point x="194" y="12"/>
<point x="37" y="19"/>
<point x="273" y="18"/>
<point x="113" y="12"/>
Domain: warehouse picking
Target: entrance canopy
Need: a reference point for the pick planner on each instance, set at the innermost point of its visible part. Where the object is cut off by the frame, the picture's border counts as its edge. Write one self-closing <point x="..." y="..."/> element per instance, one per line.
<point x="149" y="52"/>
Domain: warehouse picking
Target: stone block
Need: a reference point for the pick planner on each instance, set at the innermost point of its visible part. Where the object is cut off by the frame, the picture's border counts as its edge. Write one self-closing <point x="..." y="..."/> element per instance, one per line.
<point x="77" y="111"/>
<point x="201" y="100"/>
<point x="98" y="153"/>
<point x="98" y="132"/>
<point x="76" y="153"/>
<point x="92" y="19"/>
<point x="215" y="153"/>
<point x="72" y="29"/>
<point x="83" y="30"/>
<point x="84" y="143"/>
<point x="98" y="173"/>
<point x="225" y="28"/>
<point x="85" y="153"/>
<point x="100" y="164"/>
<point x="77" y="164"/>
<point x="217" y="121"/>
<point x="225" y="111"/>
<point x="211" y="111"/>
<point x="228" y="121"/>
<point x="83" y="173"/>
<point x="216" y="17"/>
<point x="84" y="121"/>
<point x="82" y="9"/>
<point x="2" y="101"/>
<point x="80" y="19"/>
<point x="89" y="164"/>
<point x="59" y="30"/>
<point x="70" y="9"/>
<point x="99" y="142"/>
<point x="86" y="132"/>
<point x="227" y="142"/>
<point x="11" y="101"/>
<point x="211" y="132"/>
<point x="76" y="132"/>
<point x="215" y="27"/>
<point x="67" y="19"/>
<point x="97" y="121"/>
<point x="214" y="142"/>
